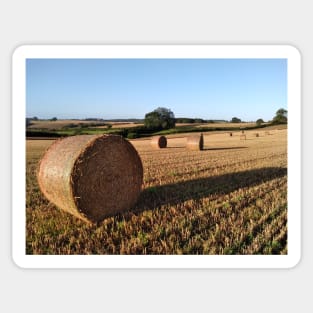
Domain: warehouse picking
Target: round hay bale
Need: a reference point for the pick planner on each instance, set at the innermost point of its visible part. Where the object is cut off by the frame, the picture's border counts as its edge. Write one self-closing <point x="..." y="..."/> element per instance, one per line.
<point x="91" y="176"/>
<point x="195" y="142"/>
<point x="159" y="142"/>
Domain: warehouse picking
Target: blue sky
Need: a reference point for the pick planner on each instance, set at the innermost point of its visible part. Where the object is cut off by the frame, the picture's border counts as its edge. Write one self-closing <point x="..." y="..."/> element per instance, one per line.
<point x="129" y="88"/>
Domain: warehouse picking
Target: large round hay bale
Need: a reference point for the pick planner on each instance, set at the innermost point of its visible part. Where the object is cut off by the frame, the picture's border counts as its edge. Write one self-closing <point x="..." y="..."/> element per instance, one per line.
<point x="195" y="142"/>
<point x="91" y="176"/>
<point x="159" y="142"/>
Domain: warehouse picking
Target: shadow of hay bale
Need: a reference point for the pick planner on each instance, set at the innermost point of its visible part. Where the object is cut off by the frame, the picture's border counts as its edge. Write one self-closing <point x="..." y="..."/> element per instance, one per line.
<point x="172" y="194"/>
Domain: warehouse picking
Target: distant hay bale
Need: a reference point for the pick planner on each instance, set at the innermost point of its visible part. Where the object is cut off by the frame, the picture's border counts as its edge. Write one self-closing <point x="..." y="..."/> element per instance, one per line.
<point x="256" y="134"/>
<point x="91" y="176"/>
<point x="230" y="134"/>
<point x="159" y="142"/>
<point x="195" y="142"/>
<point x="243" y="137"/>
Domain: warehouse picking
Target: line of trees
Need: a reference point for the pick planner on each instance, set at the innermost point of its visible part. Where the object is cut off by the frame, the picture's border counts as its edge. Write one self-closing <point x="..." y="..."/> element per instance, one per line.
<point x="163" y="118"/>
<point x="187" y="120"/>
<point x="281" y="117"/>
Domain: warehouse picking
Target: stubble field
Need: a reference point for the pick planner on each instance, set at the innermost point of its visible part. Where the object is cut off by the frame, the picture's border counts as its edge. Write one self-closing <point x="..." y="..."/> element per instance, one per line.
<point x="230" y="198"/>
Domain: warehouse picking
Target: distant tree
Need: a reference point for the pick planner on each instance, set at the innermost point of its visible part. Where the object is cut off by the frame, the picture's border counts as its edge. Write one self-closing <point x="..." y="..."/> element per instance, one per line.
<point x="35" y="118"/>
<point x="199" y="120"/>
<point x="152" y="120"/>
<point x="53" y="119"/>
<point x="189" y="120"/>
<point x="259" y="122"/>
<point x="28" y="121"/>
<point x="235" y="120"/>
<point x="280" y="117"/>
<point x="160" y="118"/>
<point x="184" y="120"/>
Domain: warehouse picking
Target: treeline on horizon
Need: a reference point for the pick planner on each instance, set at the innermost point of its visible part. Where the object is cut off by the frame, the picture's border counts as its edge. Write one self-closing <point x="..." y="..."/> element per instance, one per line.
<point x="157" y="122"/>
<point x="132" y="132"/>
<point x="179" y="120"/>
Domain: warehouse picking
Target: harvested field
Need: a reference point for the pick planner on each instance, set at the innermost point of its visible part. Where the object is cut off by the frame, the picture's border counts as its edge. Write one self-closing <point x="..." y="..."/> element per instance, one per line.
<point x="121" y="125"/>
<point x="124" y="125"/>
<point x="229" y="198"/>
<point x="243" y="137"/>
<point x="59" y="124"/>
<point x="234" y="125"/>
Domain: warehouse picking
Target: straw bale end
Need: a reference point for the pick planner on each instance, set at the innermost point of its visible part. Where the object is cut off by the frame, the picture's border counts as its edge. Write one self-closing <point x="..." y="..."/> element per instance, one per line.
<point x="159" y="142"/>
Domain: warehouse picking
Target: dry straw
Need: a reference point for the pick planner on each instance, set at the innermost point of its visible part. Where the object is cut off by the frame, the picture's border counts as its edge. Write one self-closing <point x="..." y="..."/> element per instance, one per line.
<point x="195" y="142"/>
<point x="159" y="142"/>
<point x="243" y="137"/>
<point x="91" y="176"/>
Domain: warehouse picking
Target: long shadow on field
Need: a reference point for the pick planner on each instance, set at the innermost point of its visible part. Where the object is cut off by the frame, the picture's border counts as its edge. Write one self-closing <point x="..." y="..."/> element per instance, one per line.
<point x="226" y="148"/>
<point x="173" y="194"/>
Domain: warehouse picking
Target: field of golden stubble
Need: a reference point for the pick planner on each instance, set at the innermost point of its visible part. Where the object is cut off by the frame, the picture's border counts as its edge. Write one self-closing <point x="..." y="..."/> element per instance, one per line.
<point x="230" y="198"/>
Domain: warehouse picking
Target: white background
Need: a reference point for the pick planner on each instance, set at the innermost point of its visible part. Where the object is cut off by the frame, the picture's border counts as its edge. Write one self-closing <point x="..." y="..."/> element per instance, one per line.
<point x="154" y="22"/>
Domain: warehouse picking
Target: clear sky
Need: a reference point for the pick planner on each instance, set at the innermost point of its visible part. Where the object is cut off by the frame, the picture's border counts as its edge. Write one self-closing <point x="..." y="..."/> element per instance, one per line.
<point x="129" y="88"/>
